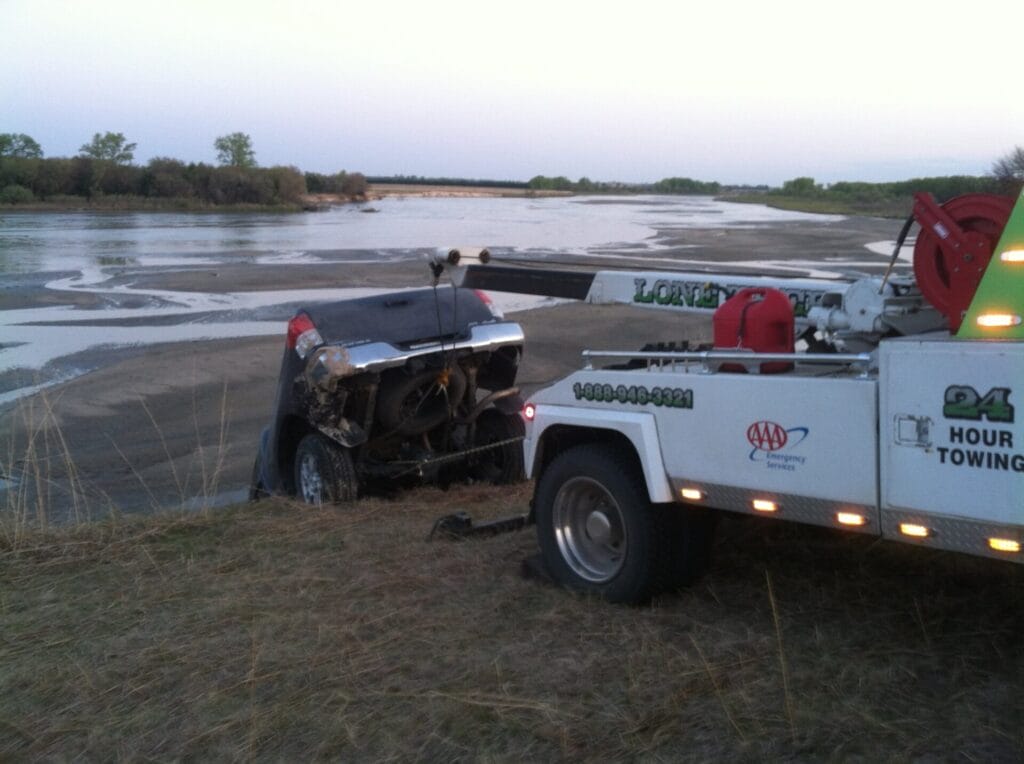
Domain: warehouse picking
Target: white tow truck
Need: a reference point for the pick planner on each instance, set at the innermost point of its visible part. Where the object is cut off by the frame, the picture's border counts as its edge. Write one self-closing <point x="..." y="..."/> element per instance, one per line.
<point x="887" y="406"/>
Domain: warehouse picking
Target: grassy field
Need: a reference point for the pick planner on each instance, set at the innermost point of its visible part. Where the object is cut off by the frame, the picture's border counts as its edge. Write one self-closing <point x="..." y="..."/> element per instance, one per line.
<point x="272" y="632"/>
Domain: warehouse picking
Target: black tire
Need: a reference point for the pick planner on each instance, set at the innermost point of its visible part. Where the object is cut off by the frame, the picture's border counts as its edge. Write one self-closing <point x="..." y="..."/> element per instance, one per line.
<point x="257" y="490"/>
<point x="504" y="464"/>
<point x="690" y="533"/>
<point x="324" y="473"/>
<point x="411" y="404"/>
<point x="598" y="531"/>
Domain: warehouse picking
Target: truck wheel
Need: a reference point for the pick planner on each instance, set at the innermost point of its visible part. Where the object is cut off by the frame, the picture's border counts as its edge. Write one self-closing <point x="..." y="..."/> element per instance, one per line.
<point x="257" y="490"/>
<point x="597" y="529"/>
<point x="503" y="464"/>
<point x="690" y="533"/>
<point x="323" y="472"/>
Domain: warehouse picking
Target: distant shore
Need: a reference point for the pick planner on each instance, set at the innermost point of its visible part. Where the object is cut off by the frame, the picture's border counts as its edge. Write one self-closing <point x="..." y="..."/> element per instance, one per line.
<point x="375" y="192"/>
<point x="884" y="208"/>
<point x="378" y="191"/>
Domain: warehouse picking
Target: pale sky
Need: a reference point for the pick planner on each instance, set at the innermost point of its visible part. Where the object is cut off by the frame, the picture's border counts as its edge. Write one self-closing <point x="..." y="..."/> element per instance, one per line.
<point x="739" y="92"/>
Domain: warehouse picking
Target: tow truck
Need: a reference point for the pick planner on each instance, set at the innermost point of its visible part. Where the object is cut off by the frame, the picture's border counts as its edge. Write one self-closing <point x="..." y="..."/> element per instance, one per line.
<point x="884" y="405"/>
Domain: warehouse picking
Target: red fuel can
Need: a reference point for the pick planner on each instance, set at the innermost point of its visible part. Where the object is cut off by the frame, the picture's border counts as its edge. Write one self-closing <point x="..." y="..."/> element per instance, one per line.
<point x="758" y="319"/>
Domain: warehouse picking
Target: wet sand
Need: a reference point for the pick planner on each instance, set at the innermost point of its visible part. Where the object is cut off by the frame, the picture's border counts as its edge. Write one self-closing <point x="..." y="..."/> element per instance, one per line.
<point x="161" y="425"/>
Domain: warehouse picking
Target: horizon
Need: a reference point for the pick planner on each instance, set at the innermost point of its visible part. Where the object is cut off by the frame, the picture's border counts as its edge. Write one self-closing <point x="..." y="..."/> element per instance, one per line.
<point x="744" y="95"/>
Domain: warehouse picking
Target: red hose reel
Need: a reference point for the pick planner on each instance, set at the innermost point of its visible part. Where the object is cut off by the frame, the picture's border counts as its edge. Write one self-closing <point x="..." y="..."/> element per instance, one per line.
<point x="953" y="248"/>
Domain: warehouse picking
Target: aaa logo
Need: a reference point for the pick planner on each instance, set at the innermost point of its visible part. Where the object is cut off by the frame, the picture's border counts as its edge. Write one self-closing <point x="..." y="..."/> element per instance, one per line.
<point x="767" y="436"/>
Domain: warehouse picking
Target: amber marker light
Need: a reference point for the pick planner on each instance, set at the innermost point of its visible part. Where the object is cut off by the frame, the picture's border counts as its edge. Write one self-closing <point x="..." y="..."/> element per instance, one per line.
<point x="764" y="505"/>
<point x="692" y="494"/>
<point x="1012" y="256"/>
<point x="917" y="531"/>
<point x="1004" y="545"/>
<point x="850" y="518"/>
<point x="998" y="320"/>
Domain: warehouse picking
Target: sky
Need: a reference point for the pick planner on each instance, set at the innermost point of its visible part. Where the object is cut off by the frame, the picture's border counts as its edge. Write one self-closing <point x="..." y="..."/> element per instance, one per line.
<point x="738" y="92"/>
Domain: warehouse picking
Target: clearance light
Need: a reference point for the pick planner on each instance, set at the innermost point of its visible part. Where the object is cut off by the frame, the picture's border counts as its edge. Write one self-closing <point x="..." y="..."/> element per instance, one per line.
<point x="850" y="518"/>
<point x="998" y="320"/>
<point x="529" y="411"/>
<point x="1004" y="545"/>
<point x="1012" y="256"/>
<point x="692" y="494"/>
<point x="763" y="505"/>
<point x="917" y="531"/>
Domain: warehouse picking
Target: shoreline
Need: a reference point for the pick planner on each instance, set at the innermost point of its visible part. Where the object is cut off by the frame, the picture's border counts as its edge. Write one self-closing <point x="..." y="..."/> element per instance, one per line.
<point x="888" y="209"/>
<point x="309" y="203"/>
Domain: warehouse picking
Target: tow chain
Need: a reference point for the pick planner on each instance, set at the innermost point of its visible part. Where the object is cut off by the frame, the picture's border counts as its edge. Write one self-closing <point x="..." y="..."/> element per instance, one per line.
<point x="421" y="463"/>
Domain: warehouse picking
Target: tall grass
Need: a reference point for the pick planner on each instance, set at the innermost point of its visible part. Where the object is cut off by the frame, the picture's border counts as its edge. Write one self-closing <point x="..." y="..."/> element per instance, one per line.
<point x="44" y="486"/>
<point x="38" y="468"/>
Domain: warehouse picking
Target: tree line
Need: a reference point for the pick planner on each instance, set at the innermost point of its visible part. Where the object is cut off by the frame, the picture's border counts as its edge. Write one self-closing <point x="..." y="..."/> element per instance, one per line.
<point x="587" y="186"/>
<point x="1007" y="178"/>
<point x="419" y="180"/>
<point x="104" y="168"/>
<point x="942" y="188"/>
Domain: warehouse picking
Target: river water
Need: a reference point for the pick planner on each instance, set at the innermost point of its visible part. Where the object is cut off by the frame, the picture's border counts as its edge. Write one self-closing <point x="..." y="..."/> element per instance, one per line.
<point x="44" y="242"/>
<point x="66" y="255"/>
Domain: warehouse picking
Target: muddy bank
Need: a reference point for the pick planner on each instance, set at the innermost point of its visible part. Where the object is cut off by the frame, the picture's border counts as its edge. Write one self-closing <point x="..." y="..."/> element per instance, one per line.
<point x="840" y="240"/>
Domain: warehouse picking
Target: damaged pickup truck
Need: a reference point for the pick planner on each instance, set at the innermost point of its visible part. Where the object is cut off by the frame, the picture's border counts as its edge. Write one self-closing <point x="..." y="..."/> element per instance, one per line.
<point x="405" y="387"/>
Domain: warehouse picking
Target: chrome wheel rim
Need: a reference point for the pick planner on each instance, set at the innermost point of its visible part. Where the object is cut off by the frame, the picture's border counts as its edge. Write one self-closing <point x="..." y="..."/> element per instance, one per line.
<point x="589" y="529"/>
<point x="311" y="485"/>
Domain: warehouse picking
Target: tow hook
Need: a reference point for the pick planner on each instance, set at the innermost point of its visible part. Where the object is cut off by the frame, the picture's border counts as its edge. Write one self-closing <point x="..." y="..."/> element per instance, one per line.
<point x="459" y="525"/>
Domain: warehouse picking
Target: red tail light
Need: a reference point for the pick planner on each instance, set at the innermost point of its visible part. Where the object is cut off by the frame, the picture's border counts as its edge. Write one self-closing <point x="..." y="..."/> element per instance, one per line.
<point x="302" y="335"/>
<point x="529" y="412"/>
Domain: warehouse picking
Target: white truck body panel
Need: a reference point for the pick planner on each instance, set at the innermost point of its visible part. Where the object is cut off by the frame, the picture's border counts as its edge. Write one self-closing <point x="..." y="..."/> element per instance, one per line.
<point x="809" y="436"/>
<point x="793" y="435"/>
<point x="703" y="292"/>
<point x="952" y="433"/>
<point x="930" y="440"/>
<point x="639" y="427"/>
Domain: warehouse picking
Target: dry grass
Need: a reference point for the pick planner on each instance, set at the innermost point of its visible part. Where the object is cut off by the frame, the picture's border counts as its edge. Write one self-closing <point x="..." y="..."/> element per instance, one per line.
<point x="273" y="632"/>
<point x="44" y="483"/>
<point x="38" y="473"/>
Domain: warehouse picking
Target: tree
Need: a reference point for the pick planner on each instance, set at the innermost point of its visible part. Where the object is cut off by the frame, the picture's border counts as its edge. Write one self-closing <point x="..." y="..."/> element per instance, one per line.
<point x="235" y="150"/>
<point x="353" y="184"/>
<point x="19" y="146"/>
<point x="802" y="186"/>
<point x="289" y="184"/>
<point x="15" y="195"/>
<point x="1009" y="170"/>
<point x="110" y="147"/>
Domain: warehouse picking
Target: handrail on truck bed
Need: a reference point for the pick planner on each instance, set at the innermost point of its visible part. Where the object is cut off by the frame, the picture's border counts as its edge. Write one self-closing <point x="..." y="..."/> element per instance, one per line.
<point x="712" y="360"/>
